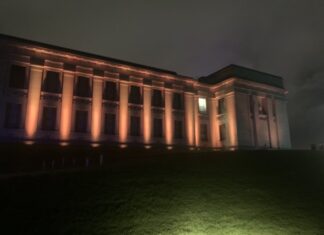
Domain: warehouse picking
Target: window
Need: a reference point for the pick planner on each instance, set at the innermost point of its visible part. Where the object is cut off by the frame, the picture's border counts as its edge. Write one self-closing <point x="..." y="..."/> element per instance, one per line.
<point x="274" y="113"/>
<point x="135" y="96"/>
<point x="157" y="127"/>
<point x="251" y="104"/>
<point x="157" y="98"/>
<point x="49" y="118"/>
<point x="177" y="101"/>
<point x="81" y="121"/>
<point x="262" y="105"/>
<point x="202" y="105"/>
<point x="110" y="92"/>
<point x="203" y="132"/>
<point x="83" y="88"/>
<point x="221" y="106"/>
<point x="12" y="116"/>
<point x="18" y="77"/>
<point x="110" y="123"/>
<point x="52" y="82"/>
<point x="177" y="129"/>
<point x="222" y="132"/>
<point x="135" y="126"/>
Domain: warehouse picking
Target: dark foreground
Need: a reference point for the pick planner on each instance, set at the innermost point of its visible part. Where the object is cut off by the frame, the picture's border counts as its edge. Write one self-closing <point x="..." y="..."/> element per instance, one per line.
<point x="159" y="192"/>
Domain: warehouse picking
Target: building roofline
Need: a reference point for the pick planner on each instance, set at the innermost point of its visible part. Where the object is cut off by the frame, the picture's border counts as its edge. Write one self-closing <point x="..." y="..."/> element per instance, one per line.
<point x="86" y="54"/>
<point x="238" y="71"/>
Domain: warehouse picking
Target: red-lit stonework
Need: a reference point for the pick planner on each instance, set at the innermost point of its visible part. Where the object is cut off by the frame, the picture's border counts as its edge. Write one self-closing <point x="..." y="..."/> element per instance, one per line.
<point x="55" y="94"/>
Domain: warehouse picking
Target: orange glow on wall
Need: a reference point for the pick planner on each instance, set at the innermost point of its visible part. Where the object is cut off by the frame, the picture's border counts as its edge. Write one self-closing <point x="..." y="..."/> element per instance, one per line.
<point x="123" y="112"/>
<point x="213" y="122"/>
<point x="196" y="120"/>
<point x="66" y="110"/>
<point x="231" y="118"/>
<point x="96" y="109"/>
<point x="33" y="100"/>
<point x="189" y="117"/>
<point x="147" y="114"/>
<point x="168" y="118"/>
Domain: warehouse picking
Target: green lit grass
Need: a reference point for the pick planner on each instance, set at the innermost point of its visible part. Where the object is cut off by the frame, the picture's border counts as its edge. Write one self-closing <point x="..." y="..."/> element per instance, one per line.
<point x="180" y="193"/>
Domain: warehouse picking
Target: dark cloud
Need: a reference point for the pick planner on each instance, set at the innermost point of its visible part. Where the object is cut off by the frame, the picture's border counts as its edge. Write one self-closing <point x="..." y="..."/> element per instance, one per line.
<point x="194" y="38"/>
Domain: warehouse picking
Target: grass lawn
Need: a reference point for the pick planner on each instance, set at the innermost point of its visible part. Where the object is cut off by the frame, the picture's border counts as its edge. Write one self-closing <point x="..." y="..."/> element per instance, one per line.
<point x="260" y="192"/>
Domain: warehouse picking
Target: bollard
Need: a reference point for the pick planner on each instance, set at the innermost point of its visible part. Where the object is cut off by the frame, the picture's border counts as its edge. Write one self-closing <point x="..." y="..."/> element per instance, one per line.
<point x="53" y="163"/>
<point x="87" y="162"/>
<point x="101" y="160"/>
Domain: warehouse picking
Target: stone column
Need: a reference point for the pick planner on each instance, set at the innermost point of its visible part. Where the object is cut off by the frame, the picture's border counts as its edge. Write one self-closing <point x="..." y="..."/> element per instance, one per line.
<point x="197" y="121"/>
<point x="255" y="120"/>
<point x="231" y="120"/>
<point x="189" y="117"/>
<point x="123" y="111"/>
<point x="147" y="114"/>
<point x="67" y="103"/>
<point x="96" y="108"/>
<point x="168" y="118"/>
<point x="213" y="122"/>
<point x="33" y="100"/>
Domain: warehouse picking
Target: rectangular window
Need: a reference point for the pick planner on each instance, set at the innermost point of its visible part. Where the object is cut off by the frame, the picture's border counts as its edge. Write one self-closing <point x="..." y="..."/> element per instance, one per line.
<point x="135" y="126"/>
<point x="12" y="116"/>
<point x="52" y="82"/>
<point x="81" y="121"/>
<point x="221" y="106"/>
<point x="177" y="101"/>
<point x="251" y="104"/>
<point x="157" y="127"/>
<point x="177" y="129"/>
<point x="110" y="92"/>
<point x="203" y="132"/>
<point x="135" y="96"/>
<point x="262" y="105"/>
<point x="274" y="113"/>
<point x="110" y="123"/>
<point x="222" y="132"/>
<point x="202" y="105"/>
<point x="157" y="98"/>
<point x="83" y="87"/>
<point x="49" y="118"/>
<point x="18" y="77"/>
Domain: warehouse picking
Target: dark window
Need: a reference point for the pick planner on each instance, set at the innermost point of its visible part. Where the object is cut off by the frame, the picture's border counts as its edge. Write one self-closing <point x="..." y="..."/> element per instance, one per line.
<point x="18" y="77"/>
<point x="135" y="126"/>
<point x="221" y="106"/>
<point x="203" y="132"/>
<point x="81" y="121"/>
<point x="83" y="88"/>
<point x="110" y="92"/>
<point x="251" y="104"/>
<point x="135" y="96"/>
<point x="177" y="101"/>
<point x="110" y="123"/>
<point x="52" y="82"/>
<point x="49" y="118"/>
<point x="177" y="129"/>
<point x="262" y="106"/>
<point x="222" y="132"/>
<point x="157" y="127"/>
<point x="274" y="113"/>
<point x="157" y="98"/>
<point x="12" y="116"/>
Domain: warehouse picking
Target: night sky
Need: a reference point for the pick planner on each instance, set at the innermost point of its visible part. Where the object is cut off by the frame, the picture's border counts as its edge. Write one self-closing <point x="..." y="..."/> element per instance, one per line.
<point x="194" y="38"/>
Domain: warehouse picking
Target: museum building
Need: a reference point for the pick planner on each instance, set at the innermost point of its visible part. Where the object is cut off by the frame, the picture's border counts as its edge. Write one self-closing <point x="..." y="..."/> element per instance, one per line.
<point x="54" y="94"/>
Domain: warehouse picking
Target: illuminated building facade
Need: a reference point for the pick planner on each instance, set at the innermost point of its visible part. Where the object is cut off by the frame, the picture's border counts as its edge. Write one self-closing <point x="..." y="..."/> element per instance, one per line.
<point x="55" y="94"/>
